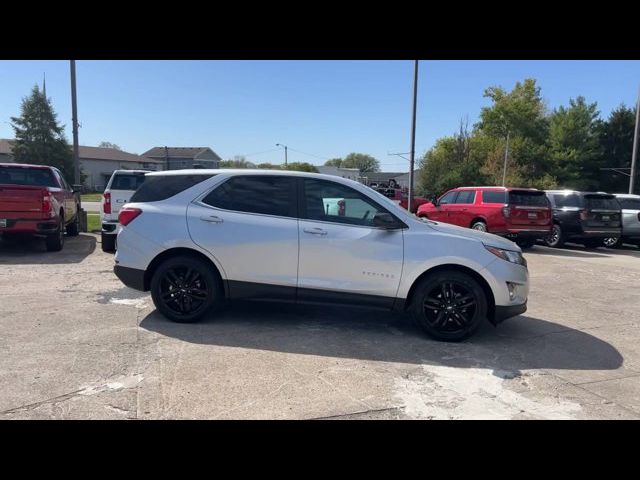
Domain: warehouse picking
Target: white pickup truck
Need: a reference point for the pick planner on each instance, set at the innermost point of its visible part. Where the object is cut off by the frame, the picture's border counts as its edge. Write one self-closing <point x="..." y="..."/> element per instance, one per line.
<point x="122" y="184"/>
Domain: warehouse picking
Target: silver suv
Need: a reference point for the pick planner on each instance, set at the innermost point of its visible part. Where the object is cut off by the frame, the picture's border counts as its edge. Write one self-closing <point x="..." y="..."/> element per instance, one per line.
<point x="195" y="238"/>
<point x="630" y="205"/>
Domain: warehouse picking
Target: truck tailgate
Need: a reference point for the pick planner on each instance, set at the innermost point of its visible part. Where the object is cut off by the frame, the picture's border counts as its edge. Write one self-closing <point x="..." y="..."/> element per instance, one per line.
<point x="20" y="199"/>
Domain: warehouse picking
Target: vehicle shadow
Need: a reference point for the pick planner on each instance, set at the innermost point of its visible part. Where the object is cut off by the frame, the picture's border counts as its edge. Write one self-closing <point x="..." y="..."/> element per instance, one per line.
<point x="518" y="344"/>
<point x="32" y="251"/>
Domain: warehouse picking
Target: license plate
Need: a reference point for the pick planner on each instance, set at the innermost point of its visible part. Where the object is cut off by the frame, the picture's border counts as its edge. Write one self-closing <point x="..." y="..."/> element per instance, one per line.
<point x="605" y="218"/>
<point x="3" y="222"/>
<point x="533" y="215"/>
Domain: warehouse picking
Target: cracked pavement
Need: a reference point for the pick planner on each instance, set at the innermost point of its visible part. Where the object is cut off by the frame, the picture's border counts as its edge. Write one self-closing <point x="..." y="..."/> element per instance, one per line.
<point x="75" y="344"/>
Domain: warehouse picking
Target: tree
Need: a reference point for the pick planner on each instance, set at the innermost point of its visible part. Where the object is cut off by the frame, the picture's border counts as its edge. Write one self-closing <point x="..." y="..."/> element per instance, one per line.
<point x="301" y="167"/>
<point x="364" y="163"/>
<point x="109" y="145"/>
<point x="238" y="161"/>
<point x="616" y="140"/>
<point x="39" y="139"/>
<point x="574" y="145"/>
<point x="334" y="162"/>
<point x="268" y="166"/>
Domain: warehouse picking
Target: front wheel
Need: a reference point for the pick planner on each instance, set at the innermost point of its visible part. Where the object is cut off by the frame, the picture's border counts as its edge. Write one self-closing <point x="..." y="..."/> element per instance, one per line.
<point x="184" y="289"/>
<point x="449" y="306"/>
<point x="73" y="229"/>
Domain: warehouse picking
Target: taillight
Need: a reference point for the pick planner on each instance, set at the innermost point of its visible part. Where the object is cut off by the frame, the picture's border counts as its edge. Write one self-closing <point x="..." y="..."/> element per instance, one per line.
<point x="584" y="215"/>
<point x="127" y="215"/>
<point x="46" y="203"/>
<point x="106" y="205"/>
<point x="506" y="211"/>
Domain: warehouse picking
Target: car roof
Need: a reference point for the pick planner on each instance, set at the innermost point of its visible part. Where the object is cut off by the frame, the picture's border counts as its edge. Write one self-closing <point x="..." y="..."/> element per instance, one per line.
<point x="578" y="192"/>
<point x="626" y="195"/>
<point x="26" y="165"/>
<point x="131" y="171"/>
<point x="498" y="188"/>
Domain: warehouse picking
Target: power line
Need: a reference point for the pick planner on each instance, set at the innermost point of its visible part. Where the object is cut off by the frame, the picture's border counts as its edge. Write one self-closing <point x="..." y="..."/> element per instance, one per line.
<point x="258" y="153"/>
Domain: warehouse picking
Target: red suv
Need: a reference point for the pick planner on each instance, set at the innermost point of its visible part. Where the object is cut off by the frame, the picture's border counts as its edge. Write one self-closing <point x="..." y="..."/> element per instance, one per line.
<point x="521" y="214"/>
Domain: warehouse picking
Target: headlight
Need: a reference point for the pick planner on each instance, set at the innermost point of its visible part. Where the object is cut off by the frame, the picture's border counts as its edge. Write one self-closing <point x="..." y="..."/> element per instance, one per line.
<point x="508" y="255"/>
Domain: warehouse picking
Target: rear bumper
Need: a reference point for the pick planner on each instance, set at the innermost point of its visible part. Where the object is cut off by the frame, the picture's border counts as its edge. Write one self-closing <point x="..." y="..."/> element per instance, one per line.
<point x="35" y="227"/>
<point x="532" y="233"/>
<point x="503" y="312"/>
<point x="131" y="277"/>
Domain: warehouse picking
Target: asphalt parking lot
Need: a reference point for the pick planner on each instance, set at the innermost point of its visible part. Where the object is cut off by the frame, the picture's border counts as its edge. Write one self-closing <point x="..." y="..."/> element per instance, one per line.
<point x="75" y="343"/>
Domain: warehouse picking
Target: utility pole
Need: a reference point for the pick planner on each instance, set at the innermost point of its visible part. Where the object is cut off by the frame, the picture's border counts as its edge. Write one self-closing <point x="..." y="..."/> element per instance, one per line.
<point x="506" y="155"/>
<point x="413" y="136"/>
<point x="634" y="155"/>
<point x="74" y="120"/>
<point x="285" y="152"/>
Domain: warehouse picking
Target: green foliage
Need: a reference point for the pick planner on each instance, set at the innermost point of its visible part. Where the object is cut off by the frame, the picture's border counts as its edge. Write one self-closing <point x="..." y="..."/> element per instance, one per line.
<point x="363" y="162"/>
<point x="564" y="148"/>
<point x="109" y="145"/>
<point x="300" y="167"/>
<point x="237" y="162"/>
<point x="334" y="162"/>
<point x="39" y="139"/>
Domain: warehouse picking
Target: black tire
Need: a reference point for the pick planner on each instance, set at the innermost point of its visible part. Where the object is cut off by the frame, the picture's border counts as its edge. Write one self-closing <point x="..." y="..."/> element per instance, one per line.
<point x="108" y="241"/>
<point x="174" y="284"/>
<point x="73" y="229"/>
<point x="479" y="225"/>
<point x="612" y="242"/>
<point x="55" y="241"/>
<point x="556" y="238"/>
<point x="592" y="243"/>
<point x="437" y="310"/>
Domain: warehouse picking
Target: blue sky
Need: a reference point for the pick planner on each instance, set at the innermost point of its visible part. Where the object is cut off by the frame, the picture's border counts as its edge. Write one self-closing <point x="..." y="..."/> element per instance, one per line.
<point x="325" y="109"/>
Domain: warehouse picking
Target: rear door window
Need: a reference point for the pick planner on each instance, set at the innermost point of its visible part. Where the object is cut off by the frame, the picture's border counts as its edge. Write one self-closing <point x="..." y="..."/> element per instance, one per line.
<point x="571" y="200"/>
<point x="465" y="196"/>
<point x="160" y="187"/>
<point x="599" y="202"/>
<point x="127" y="181"/>
<point x="493" y="196"/>
<point x="528" y="199"/>
<point x="265" y="195"/>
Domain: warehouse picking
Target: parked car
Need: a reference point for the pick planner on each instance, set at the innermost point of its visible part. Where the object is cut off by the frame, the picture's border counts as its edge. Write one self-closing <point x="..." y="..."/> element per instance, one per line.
<point x="583" y="217"/>
<point x="36" y="200"/>
<point x="195" y="238"/>
<point x="520" y="214"/>
<point x="630" y="206"/>
<point x="122" y="184"/>
<point x="401" y="197"/>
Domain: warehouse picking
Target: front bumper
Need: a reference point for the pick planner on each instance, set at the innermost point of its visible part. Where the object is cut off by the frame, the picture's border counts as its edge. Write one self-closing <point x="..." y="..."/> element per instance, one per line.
<point x="131" y="277"/>
<point x="502" y="312"/>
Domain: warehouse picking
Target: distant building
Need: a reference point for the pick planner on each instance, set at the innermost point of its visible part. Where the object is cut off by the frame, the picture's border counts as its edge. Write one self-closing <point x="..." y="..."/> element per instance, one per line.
<point x="176" y="158"/>
<point x="350" y="173"/>
<point x="96" y="163"/>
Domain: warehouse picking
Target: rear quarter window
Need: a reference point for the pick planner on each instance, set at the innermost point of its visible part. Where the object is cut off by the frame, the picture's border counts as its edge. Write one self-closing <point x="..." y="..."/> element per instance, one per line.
<point x="160" y="187"/>
<point x="562" y="200"/>
<point x="493" y="196"/>
<point x="604" y="203"/>
<point x="629" y="203"/>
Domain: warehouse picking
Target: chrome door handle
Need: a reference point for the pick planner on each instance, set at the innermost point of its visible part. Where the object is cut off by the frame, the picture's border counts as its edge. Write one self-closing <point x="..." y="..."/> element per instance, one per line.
<point x="315" y="231"/>
<point x="211" y="219"/>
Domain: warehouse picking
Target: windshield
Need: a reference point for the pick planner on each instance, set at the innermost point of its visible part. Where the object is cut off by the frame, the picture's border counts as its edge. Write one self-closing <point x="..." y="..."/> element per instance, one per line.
<point x="37" y="177"/>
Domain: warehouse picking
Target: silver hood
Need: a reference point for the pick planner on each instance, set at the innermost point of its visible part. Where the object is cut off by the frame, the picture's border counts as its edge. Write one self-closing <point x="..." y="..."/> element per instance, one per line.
<point x="486" y="238"/>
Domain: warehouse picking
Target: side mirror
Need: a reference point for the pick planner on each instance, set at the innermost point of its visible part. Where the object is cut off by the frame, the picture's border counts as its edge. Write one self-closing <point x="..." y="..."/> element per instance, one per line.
<point x="434" y="200"/>
<point x="386" y="220"/>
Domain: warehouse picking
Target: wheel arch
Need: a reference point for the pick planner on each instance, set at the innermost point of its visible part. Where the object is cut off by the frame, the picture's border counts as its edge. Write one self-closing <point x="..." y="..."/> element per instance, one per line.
<point x="491" y="302"/>
<point x="478" y="219"/>
<point x="174" y="252"/>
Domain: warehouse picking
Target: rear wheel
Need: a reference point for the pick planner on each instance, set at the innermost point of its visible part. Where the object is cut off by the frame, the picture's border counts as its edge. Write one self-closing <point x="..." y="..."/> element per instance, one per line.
<point x="184" y="289"/>
<point x="108" y="241"/>
<point x="55" y="241"/>
<point x="480" y="226"/>
<point x="449" y="306"/>
<point x="612" y="242"/>
<point x="555" y="238"/>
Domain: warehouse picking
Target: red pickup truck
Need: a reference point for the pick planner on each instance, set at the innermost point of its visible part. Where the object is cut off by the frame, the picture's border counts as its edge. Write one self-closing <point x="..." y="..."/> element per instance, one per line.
<point x="36" y="200"/>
